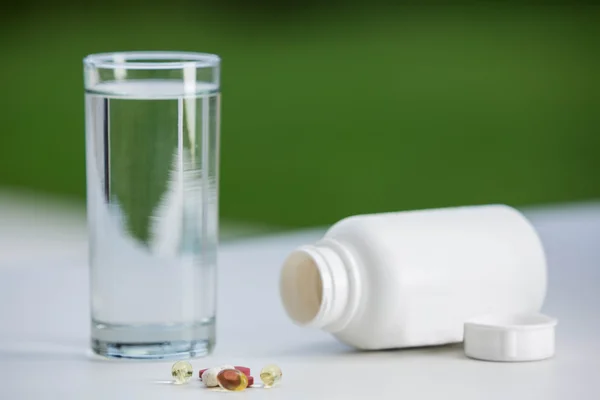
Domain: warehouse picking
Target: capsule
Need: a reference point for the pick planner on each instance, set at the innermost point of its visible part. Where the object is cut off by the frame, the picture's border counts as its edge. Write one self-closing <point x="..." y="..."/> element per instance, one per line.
<point x="232" y="380"/>
<point x="182" y="372"/>
<point x="270" y="375"/>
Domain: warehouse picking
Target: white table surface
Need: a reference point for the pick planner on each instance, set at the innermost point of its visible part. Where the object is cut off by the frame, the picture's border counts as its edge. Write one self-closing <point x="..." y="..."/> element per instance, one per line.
<point x="44" y="327"/>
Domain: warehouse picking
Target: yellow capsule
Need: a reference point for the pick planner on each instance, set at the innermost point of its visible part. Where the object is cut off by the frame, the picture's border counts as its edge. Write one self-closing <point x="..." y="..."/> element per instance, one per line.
<point x="270" y="375"/>
<point x="232" y="379"/>
<point x="182" y="372"/>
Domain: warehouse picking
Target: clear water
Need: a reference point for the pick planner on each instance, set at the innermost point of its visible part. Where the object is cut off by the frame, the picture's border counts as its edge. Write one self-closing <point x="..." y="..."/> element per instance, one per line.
<point x="152" y="159"/>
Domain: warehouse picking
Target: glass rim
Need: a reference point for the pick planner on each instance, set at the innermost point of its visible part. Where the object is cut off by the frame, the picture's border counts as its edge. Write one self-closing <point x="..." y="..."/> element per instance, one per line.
<point x="152" y="60"/>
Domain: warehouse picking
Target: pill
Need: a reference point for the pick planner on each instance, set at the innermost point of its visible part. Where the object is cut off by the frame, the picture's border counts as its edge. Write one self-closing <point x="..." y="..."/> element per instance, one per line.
<point x="209" y="377"/>
<point x="201" y="372"/>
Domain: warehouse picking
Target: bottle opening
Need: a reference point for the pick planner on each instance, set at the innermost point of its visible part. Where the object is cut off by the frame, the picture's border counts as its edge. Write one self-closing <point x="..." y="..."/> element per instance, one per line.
<point x="314" y="287"/>
<point x="301" y="287"/>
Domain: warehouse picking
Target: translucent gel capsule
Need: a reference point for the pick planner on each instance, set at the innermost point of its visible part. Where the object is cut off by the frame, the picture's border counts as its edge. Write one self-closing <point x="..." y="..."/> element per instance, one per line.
<point x="182" y="372"/>
<point x="232" y="379"/>
<point x="270" y="375"/>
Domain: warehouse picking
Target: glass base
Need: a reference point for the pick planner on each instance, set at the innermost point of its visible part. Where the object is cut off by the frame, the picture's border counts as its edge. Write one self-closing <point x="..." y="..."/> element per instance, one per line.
<point x="153" y="351"/>
<point x="153" y="342"/>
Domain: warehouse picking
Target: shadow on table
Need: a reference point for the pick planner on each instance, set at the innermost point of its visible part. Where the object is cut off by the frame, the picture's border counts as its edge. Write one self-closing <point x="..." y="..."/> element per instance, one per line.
<point x="334" y="348"/>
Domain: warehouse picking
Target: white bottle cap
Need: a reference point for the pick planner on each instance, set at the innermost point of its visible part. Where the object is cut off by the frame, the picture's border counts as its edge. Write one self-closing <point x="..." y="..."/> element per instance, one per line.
<point x="515" y="337"/>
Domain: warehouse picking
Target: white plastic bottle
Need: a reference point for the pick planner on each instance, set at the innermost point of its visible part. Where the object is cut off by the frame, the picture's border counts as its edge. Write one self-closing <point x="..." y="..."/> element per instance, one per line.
<point x="413" y="278"/>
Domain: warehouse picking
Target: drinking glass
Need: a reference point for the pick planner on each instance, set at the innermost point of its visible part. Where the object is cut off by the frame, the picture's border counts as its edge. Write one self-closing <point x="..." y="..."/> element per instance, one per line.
<point x="152" y="157"/>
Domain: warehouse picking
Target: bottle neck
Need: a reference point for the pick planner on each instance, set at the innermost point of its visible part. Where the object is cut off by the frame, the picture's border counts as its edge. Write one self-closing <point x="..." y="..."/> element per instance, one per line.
<point x="316" y="286"/>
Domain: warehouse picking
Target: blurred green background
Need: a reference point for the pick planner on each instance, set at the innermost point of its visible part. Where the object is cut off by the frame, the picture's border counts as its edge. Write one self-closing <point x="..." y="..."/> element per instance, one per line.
<point x="332" y="110"/>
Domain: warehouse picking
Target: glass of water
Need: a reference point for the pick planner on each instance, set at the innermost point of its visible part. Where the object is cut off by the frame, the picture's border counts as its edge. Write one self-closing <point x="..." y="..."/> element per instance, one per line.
<point x="152" y="157"/>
